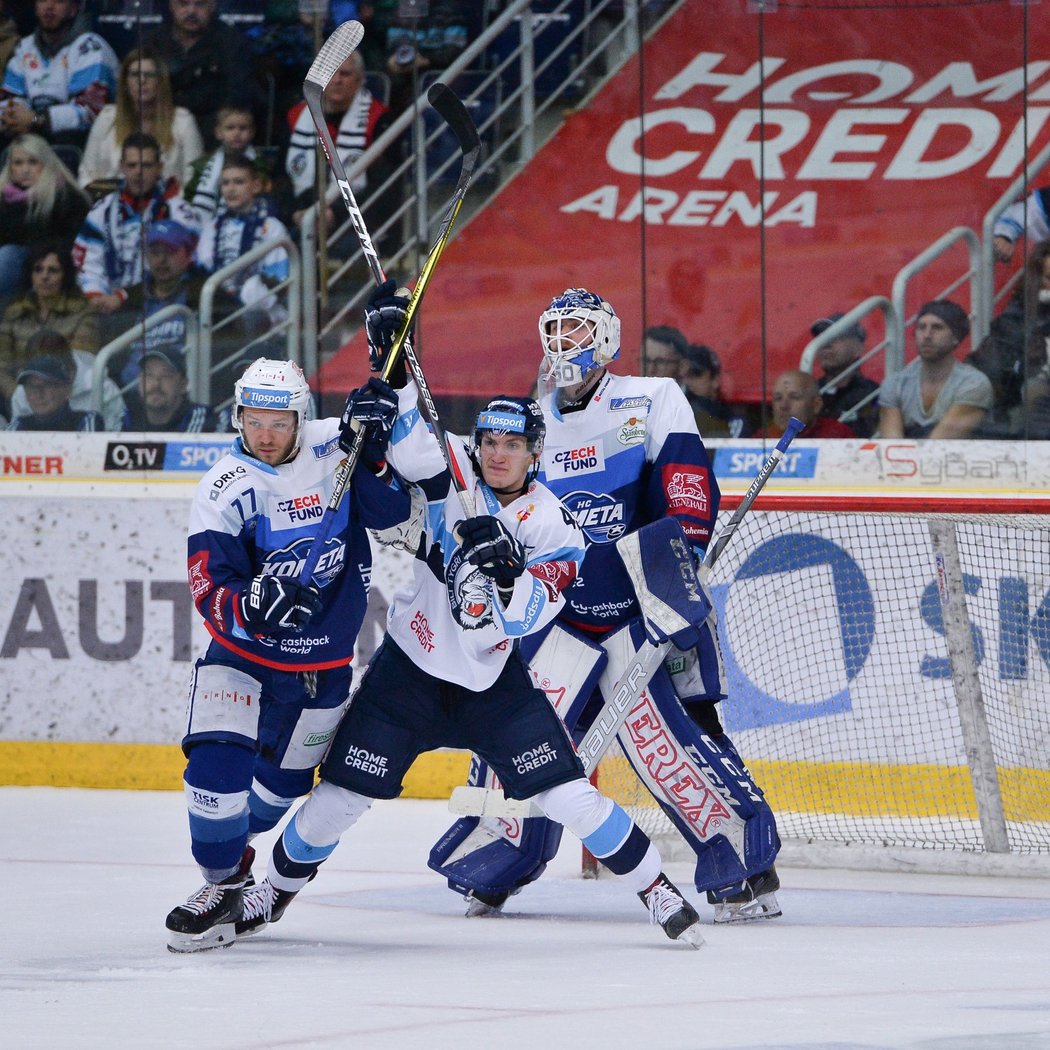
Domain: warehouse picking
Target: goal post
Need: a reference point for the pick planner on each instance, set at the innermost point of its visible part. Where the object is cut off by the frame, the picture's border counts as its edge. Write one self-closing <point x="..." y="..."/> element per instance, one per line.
<point x="888" y="670"/>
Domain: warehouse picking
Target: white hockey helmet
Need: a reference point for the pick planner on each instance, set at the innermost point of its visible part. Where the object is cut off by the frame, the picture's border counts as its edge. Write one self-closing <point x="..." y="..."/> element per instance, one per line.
<point x="579" y="333"/>
<point x="278" y="385"/>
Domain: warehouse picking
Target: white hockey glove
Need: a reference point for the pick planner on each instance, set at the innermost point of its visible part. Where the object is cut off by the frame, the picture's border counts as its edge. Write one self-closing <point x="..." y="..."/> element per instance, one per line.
<point x="274" y="603"/>
<point x="488" y="545"/>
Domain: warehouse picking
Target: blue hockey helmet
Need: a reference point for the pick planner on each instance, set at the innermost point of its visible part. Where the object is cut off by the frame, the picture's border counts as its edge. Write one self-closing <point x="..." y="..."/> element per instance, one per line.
<point x="580" y="333"/>
<point x="514" y="415"/>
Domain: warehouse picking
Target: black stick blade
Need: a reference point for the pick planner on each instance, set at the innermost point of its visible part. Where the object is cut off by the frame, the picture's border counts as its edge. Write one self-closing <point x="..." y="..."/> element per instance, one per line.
<point x="450" y="108"/>
<point x="334" y="52"/>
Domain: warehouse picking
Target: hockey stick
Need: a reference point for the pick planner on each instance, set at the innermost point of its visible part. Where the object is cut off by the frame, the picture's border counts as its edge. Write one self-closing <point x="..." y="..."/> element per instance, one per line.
<point x="336" y="50"/>
<point x="625" y="694"/>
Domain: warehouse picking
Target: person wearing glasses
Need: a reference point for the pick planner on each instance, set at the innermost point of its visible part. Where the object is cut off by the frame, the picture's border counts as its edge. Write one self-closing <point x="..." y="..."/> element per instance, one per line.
<point x="267" y="694"/>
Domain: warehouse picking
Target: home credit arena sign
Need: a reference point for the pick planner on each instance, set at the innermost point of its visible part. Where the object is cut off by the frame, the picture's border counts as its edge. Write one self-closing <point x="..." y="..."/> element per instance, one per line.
<point x="846" y="138"/>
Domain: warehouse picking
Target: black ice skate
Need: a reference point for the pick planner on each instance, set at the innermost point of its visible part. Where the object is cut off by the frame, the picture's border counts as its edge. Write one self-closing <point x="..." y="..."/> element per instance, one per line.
<point x="671" y="911"/>
<point x="208" y="918"/>
<point x="757" y="900"/>
<point x="263" y="904"/>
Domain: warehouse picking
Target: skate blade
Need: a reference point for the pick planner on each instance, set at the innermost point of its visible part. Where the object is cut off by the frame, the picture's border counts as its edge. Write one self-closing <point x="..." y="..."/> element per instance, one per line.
<point x="764" y="907"/>
<point x="221" y="936"/>
<point x="691" y="936"/>
<point x="480" y="910"/>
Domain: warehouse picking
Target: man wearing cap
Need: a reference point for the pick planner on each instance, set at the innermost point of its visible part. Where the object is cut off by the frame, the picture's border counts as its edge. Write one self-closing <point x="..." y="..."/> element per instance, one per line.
<point x="170" y="280"/>
<point x="936" y="395"/>
<point x="163" y="402"/>
<point x="48" y="383"/>
<point x="841" y="392"/>
<point x="702" y="384"/>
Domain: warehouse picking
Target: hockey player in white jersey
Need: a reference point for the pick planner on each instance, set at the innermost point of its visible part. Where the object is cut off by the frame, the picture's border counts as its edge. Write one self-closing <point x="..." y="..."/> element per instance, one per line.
<point x="449" y="672"/>
<point x="622" y="452"/>
<point x="266" y="696"/>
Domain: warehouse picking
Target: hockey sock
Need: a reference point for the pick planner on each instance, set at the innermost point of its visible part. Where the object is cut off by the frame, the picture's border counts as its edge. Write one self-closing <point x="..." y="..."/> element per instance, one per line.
<point x="273" y="792"/>
<point x="216" y="787"/>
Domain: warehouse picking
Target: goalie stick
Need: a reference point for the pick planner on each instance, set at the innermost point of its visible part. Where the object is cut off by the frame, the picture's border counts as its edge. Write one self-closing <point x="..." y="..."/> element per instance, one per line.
<point x="625" y="694"/>
<point x="335" y="51"/>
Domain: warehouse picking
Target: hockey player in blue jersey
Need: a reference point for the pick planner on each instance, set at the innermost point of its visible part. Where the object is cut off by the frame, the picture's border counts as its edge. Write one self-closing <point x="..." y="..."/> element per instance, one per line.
<point x="266" y="696"/>
<point x="621" y="452"/>
<point x="491" y="567"/>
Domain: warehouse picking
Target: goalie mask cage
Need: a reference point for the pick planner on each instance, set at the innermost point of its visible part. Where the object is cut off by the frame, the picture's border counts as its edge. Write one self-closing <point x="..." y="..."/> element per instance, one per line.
<point x="888" y="674"/>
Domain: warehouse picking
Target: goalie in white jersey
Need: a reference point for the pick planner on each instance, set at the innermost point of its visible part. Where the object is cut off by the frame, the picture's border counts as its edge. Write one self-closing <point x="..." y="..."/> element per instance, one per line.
<point x="449" y="673"/>
<point x="623" y="452"/>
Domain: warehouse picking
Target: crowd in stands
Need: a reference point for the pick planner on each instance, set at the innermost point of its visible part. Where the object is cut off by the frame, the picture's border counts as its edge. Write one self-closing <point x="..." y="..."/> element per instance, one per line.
<point x="134" y="166"/>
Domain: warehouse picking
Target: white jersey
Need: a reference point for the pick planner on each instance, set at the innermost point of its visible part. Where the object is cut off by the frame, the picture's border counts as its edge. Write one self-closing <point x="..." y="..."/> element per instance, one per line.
<point x="449" y="620"/>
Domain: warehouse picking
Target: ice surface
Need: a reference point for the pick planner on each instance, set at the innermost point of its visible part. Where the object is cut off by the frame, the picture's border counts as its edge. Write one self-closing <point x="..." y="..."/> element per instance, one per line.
<point x="376" y="953"/>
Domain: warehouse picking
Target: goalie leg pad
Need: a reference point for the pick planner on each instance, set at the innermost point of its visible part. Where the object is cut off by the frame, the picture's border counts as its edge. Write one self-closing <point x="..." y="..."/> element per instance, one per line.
<point x="475" y="856"/>
<point x="699" y="781"/>
<point x="500" y="856"/>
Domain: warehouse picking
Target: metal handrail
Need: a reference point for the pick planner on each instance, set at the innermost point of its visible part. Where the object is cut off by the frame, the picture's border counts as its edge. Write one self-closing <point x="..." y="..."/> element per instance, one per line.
<point x="1008" y="196"/>
<point x="291" y="326"/>
<point x="133" y="335"/>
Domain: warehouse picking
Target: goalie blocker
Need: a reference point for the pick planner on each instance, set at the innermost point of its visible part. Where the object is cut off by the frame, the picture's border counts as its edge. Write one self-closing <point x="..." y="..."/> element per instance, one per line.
<point x="684" y="759"/>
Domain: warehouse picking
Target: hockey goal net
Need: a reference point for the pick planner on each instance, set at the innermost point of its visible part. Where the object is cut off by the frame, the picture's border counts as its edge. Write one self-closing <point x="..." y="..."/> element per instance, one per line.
<point x="889" y="682"/>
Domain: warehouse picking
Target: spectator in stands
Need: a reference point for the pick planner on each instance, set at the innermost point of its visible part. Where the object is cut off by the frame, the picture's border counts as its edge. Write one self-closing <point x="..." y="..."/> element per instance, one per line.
<point x="81" y="366"/>
<point x="415" y="46"/>
<point x="56" y="80"/>
<point x="170" y="280"/>
<point x="1015" y="352"/>
<point x="243" y="221"/>
<point x="143" y="104"/>
<point x="663" y="352"/>
<point x="1027" y="218"/>
<point x="935" y="396"/>
<point x="702" y="384"/>
<point x="39" y="201"/>
<point x="108" y="248"/>
<point x="46" y="382"/>
<point x="162" y="402"/>
<point x="285" y="42"/>
<point x="9" y="37"/>
<point x="53" y="301"/>
<point x="235" y="132"/>
<point x="842" y="392"/>
<point x="795" y="393"/>
<point x="208" y="61"/>
<point x="352" y="115"/>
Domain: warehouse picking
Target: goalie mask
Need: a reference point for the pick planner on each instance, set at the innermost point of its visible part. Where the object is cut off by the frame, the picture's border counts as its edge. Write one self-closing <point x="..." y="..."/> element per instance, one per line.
<point x="512" y="415"/>
<point x="275" y="385"/>
<point x="580" y="333"/>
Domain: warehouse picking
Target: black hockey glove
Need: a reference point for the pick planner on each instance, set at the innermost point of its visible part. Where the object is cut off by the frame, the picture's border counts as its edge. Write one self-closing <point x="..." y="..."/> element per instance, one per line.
<point x="274" y="603"/>
<point x="374" y="407"/>
<point x="487" y="544"/>
<point x="384" y="316"/>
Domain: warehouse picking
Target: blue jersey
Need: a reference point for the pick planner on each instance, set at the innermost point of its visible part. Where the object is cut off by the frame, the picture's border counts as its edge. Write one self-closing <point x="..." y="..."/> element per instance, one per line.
<point x="249" y="518"/>
<point x="631" y="456"/>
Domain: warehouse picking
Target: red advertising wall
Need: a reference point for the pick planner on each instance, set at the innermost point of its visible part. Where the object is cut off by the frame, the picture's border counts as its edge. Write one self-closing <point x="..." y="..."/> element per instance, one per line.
<point x="882" y="128"/>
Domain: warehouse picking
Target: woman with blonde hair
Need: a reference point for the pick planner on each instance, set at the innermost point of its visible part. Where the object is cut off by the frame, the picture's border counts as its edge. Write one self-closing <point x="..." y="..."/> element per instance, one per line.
<point x="39" y="200"/>
<point x="143" y="104"/>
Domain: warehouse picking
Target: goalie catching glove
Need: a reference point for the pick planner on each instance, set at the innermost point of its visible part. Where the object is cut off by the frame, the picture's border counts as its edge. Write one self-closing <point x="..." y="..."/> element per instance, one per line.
<point x="373" y="407"/>
<point x="274" y="603"/>
<point x="384" y="316"/>
<point x="488" y="545"/>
